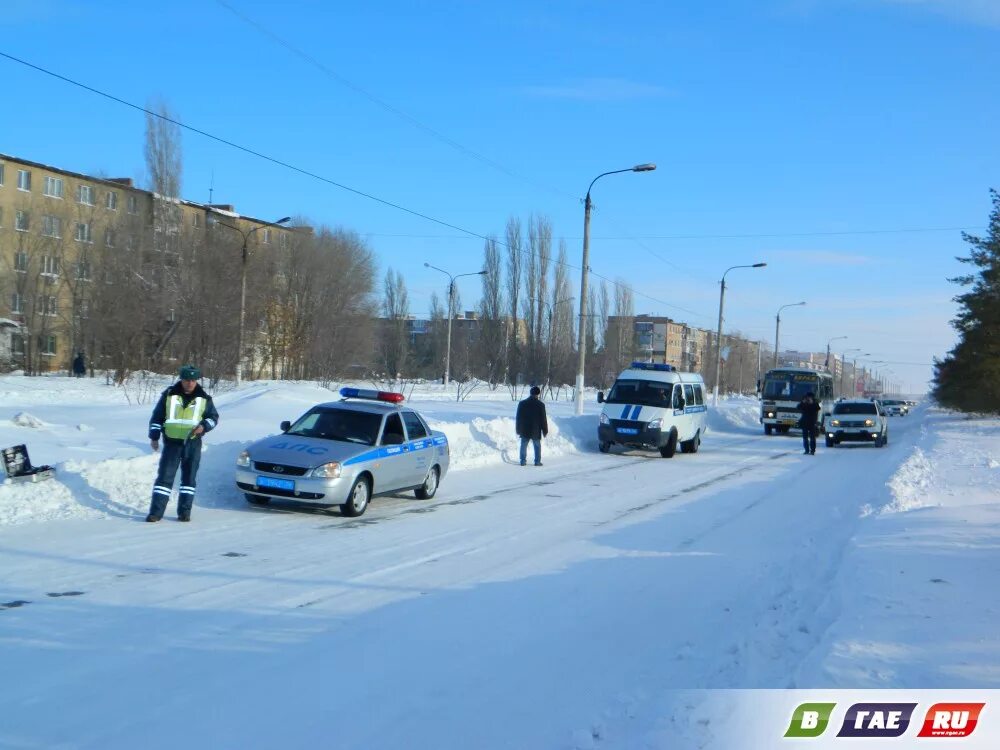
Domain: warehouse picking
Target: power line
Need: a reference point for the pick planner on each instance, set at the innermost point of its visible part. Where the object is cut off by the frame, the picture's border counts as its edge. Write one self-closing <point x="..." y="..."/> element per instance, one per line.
<point x="436" y="134"/>
<point x="313" y="175"/>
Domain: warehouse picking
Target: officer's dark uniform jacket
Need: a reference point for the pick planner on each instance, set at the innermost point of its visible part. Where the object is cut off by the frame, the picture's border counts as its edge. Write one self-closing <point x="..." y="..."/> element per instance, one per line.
<point x="177" y="413"/>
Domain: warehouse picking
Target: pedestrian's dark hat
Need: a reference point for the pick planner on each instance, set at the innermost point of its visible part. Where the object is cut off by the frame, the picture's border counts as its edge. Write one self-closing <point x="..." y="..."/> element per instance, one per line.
<point x="190" y="372"/>
<point x="535" y="390"/>
<point x="810" y="395"/>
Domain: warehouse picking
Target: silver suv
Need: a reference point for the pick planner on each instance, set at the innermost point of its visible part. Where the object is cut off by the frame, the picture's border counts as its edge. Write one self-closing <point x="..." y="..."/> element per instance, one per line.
<point x="859" y="420"/>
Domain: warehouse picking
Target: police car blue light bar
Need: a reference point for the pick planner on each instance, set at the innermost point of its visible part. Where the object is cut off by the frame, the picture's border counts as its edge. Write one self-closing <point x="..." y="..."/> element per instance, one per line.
<point x="372" y="395"/>
<point x="658" y="366"/>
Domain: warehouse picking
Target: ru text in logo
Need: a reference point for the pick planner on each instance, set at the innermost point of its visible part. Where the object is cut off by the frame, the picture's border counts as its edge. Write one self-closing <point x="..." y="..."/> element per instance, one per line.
<point x="951" y="719"/>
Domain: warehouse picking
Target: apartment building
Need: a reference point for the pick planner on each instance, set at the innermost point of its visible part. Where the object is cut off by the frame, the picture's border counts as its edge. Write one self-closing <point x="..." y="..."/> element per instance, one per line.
<point x="67" y="238"/>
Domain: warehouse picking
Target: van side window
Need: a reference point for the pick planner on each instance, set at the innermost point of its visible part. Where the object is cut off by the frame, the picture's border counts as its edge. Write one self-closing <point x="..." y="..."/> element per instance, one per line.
<point x="677" y="396"/>
<point x="698" y="397"/>
<point x="689" y="395"/>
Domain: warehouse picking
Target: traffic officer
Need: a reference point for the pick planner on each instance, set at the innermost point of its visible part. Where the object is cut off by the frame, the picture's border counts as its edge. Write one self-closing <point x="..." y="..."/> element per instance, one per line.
<point x="183" y="414"/>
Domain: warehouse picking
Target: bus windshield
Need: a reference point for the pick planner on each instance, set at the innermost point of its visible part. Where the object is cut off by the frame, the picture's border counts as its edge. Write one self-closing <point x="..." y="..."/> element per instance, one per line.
<point x="790" y="387"/>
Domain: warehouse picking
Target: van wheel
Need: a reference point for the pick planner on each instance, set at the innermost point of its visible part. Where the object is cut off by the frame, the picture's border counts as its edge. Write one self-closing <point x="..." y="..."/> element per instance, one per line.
<point x="668" y="450"/>
<point x="357" y="500"/>
<point x="767" y="429"/>
<point x="692" y="445"/>
<point x="603" y="446"/>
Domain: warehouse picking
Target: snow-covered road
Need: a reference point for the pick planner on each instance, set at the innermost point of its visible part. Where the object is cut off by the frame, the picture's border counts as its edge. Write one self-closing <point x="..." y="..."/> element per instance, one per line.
<point x="561" y="606"/>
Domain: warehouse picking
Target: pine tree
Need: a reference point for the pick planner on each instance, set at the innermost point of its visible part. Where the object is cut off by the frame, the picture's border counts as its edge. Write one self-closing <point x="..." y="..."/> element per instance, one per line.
<point x="968" y="378"/>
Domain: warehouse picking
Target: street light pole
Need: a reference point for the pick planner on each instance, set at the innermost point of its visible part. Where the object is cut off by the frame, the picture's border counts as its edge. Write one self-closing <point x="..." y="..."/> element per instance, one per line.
<point x="582" y="333"/>
<point x="718" y="338"/>
<point x="835" y="338"/>
<point x="243" y="285"/>
<point x="843" y="368"/>
<point x="777" y="327"/>
<point x="451" y="314"/>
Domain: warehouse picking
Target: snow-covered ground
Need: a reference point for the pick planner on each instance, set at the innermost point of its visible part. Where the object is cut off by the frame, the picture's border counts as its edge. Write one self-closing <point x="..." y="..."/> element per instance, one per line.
<point x="578" y="605"/>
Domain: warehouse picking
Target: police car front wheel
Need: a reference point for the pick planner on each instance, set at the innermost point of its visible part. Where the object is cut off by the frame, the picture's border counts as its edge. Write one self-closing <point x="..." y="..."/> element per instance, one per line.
<point x="357" y="500"/>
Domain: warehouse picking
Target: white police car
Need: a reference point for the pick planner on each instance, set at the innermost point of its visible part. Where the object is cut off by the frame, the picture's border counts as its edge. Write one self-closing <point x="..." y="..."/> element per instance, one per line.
<point x="654" y="406"/>
<point x="345" y="453"/>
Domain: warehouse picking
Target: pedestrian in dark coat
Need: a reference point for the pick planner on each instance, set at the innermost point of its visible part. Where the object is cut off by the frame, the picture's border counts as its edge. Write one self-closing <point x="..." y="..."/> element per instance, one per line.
<point x="809" y="422"/>
<point x="532" y="424"/>
<point x="182" y="415"/>
<point x="79" y="366"/>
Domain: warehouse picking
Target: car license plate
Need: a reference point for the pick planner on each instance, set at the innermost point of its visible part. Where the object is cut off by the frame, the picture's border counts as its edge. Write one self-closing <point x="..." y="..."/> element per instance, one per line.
<point x="278" y="484"/>
<point x="789" y="421"/>
<point x="627" y="431"/>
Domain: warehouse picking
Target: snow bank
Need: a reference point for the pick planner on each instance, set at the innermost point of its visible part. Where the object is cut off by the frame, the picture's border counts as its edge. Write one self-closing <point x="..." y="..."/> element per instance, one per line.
<point x="911" y="484"/>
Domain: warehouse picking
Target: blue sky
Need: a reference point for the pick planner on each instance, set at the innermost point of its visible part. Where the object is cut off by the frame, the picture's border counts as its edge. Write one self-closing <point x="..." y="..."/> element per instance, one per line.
<point x="795" y="132"/>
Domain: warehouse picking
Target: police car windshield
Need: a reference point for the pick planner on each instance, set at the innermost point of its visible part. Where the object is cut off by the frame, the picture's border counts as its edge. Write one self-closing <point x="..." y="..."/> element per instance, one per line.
<point x="345" y="425"/>
<point x="848" y="408"/>
<point x="788" y="390"/>
<point x="641" y="392"/>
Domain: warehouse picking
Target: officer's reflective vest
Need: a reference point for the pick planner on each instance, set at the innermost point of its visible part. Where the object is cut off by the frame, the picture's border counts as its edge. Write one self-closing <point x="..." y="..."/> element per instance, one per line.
<point x="182" y="419"/>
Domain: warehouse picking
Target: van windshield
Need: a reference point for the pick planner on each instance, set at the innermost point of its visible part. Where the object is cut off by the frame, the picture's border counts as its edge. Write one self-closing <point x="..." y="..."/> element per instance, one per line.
<point x="641" y="392"/>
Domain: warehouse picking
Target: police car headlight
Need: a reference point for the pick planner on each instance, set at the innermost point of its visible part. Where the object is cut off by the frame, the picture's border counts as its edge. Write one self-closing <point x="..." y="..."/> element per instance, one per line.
<point x="835" y="423"/>
<point x="770" y="415"/>
<point x="604" y="418"/>
<point x="243" y="459"/>
<point x="655" y="424"/>
<point x="326" y="471"/>
<point x="869" y="423"/>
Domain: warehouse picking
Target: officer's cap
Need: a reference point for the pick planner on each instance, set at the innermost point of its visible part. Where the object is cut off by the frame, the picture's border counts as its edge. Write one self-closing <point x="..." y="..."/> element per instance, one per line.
<point x="190" y="372"/>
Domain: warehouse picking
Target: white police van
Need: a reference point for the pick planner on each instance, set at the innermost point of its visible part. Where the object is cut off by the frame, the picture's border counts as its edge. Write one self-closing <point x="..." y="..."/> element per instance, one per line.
<point x="654" y="406"/>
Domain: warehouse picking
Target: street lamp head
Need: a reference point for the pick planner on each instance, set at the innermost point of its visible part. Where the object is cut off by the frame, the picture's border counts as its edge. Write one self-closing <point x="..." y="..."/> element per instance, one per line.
<point x="644" y="168"/>
<point x="426" y="264"/>
<point x="481" y="273"/>
<point x="758" y="265"/>
<point x="283" y="220"/>
<point x="800" y="303"/>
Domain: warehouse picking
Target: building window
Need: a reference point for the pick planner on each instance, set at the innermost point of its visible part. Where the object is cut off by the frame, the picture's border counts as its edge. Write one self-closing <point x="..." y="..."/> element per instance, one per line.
<point x="130" y="242"/>
<point x="83" y="270"/>
<point x="17" y="303"/>
<point x="83" y="233"/>
<point x="22" y="221"/>
<point x="112" y="200"/>
<point x="17" y="345"/>
<point x="50" y="265"/>
<point x="23" y="179"/>
<point x="196" y="221"/>
<point x="109" y="237"/>
<point x="266" y="236"/>
<point x="85" y="195"/>
<point x="52" y="226"/>
<point x="53" y="187"/>
<point x="1" y="175"/>
<point x="47" y="305"/>
<point x="133" y="204"/>
<point x="21" y="261"/>
<point x="47" y="345"/>
<point x="83" y="309"/>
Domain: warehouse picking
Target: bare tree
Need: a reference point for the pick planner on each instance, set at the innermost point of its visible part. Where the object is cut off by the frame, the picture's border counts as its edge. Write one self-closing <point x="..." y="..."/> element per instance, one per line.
<point x="394" y="338"/>
<point x="163" y="150"/>
<point x="514" y="266"/>
<point x="493" y="341"/>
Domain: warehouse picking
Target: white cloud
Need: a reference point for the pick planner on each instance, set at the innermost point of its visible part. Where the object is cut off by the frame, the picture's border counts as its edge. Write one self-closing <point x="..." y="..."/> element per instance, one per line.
<point x="978" y="11"/>
<point x="598" y="89"/>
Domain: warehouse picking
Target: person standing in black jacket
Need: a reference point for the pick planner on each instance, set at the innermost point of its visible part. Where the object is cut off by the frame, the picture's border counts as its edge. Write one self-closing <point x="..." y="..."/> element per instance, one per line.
<point x="532" y="424"/>
<point x="809" y="421"/>
<point x="182" y="415"/>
